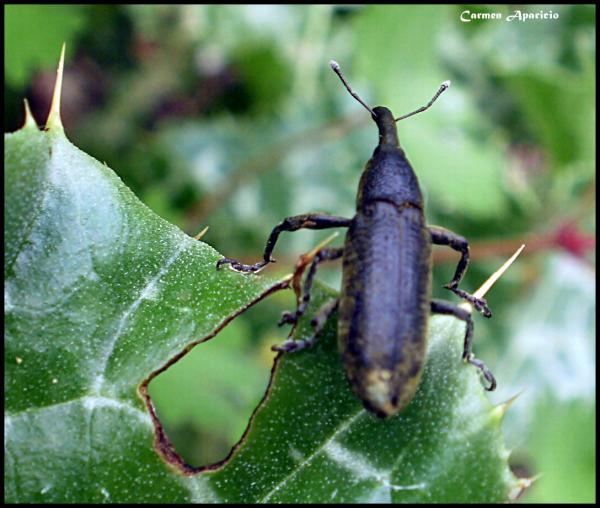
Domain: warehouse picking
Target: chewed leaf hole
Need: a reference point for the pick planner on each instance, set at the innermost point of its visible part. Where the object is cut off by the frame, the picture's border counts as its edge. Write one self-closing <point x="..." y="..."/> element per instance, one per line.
<point x="205" y="400"/>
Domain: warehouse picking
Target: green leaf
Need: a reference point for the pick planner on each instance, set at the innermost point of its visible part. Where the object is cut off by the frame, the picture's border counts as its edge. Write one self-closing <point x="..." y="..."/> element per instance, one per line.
<point x="100" y="294"/>
<point x="567" y="132"/>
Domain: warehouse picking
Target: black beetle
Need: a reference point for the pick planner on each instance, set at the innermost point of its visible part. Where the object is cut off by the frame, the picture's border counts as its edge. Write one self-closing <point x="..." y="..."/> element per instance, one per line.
<point x="386" y="290"/>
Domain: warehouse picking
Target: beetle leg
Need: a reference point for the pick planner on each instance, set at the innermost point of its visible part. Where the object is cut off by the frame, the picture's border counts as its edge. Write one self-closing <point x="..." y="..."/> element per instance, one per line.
<point x="443" y="307"/>
<point x="306" y="221"/>
<point x="442" y="236"/>
<point x="326" y="254"/>
<point x="317" y="322"/>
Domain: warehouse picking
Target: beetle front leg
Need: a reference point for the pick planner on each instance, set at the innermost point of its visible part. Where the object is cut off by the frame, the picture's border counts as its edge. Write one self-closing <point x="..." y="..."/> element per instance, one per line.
<point x="442" y="307"/>
<point x="442" y="236"/>
<point x="306" y="221"/>
<point x="317" y="322"/>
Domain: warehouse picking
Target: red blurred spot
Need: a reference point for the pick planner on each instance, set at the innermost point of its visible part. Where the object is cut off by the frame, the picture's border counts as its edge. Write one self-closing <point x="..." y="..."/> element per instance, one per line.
<point x="574" y="241"/>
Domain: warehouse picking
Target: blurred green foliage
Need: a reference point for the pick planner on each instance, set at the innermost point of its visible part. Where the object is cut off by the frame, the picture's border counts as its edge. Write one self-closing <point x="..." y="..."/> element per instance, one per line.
<point x="228" y="116"/>
<point x="36" y="30"/>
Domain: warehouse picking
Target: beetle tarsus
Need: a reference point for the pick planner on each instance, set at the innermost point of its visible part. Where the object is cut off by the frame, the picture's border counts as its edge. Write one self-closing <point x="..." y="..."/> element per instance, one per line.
<point x="487" y="374"/>
<point x="240" y="267"/>
<point x="291" y="346"/>
<point x="317" y="322"/>
<point x="288" y="318"/>
<point x="443" y="236"/>
<point x="479" y="303"/>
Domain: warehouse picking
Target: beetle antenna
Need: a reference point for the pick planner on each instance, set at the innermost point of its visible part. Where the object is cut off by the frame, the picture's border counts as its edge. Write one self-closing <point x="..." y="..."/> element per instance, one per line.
<point x="443" y="87"/>
<point x="336" y="68"/>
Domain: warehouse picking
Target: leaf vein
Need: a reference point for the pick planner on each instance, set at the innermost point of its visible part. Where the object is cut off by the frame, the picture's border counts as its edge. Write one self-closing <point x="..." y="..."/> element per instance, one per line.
<point x="89" y="402"/>
<point x="341" y="428"/>
<point x="9" y="269"/>
<point x="100" y="378"/>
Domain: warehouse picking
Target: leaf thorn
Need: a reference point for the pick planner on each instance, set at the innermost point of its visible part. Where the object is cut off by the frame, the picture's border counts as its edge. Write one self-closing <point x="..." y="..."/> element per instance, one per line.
<point x="521" y="486"/>
<point x="500" y="410"/>
<point x="486" y="286"/>
<point x="201" y="234"/>
<point x="29" y="120"/>
<point x="54" y="121"/>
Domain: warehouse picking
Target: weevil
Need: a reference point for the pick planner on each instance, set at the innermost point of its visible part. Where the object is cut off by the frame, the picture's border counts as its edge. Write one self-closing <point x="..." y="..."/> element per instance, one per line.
<point x="385" y="300"/>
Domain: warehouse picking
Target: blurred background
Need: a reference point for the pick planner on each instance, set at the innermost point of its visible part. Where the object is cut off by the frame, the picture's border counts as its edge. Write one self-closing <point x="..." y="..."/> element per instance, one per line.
<point x="230" y="117"/>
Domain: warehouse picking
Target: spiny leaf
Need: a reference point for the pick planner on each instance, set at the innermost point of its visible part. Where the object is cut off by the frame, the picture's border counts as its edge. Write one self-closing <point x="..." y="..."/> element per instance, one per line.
<point x="100" y="294"/>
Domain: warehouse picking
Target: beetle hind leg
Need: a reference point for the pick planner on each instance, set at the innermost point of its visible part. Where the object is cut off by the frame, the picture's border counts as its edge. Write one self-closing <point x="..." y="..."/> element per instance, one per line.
<point x="442" y="307"/>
